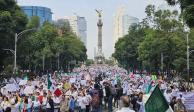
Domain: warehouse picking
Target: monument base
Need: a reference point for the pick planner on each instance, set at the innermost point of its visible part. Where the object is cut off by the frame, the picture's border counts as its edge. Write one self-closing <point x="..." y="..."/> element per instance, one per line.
<point x="99" y="59"/>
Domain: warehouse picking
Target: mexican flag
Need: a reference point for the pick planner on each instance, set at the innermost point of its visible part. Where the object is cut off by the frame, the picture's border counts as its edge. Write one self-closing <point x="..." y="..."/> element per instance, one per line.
<point x="157" y="102"/>
<point x="52" y="86"/>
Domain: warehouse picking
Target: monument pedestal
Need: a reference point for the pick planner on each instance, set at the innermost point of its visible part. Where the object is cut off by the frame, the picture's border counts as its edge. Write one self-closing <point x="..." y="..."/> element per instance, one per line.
<point x="99" y="58"/>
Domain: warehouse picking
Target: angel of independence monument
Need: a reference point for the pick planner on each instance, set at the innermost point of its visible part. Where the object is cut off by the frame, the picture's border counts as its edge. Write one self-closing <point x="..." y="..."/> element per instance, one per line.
<point x="99" y="57"/>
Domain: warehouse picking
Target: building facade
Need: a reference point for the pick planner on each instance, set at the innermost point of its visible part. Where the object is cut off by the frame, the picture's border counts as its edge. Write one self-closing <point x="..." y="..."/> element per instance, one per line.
<point x="43" y="13"/>
<point x="122" y="22"/>
<point x="128" y="21"/>
<point x="79" y="27"/>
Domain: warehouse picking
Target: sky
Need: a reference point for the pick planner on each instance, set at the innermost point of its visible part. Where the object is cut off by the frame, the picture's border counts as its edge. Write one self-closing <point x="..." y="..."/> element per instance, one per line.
<point x="86" y="8"/>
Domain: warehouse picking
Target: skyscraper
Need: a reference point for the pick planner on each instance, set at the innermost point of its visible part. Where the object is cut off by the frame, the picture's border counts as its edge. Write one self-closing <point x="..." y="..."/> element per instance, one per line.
<point x="127" y="22"/>
<point x="118" y="30"/>
<point x="79" y="27"/>
<point x="122" y="22"/>
<point x="43" y="13"/>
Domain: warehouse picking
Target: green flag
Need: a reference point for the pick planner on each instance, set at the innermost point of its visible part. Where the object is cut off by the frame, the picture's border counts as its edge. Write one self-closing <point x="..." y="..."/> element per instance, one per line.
<point x="156" y="102"/>
<point x="26" y="77"/>
<point x="49" y="81"/>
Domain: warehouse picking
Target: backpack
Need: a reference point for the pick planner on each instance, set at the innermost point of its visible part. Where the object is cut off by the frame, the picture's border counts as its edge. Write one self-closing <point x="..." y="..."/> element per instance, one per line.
<point x="95" y="98"/>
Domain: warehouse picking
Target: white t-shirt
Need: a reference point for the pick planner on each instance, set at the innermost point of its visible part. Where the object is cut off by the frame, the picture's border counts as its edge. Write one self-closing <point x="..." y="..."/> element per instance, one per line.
<point x="29" y="103"/>
<point x="5" y="104"/>
<point x="163" y="86"/>
<point x="48" y="105"/>
<point x="56" y="100"/>
<point x="125" y="109"/>
<point x="83" y="102"/>
<point x="44" y="101"/>
<point x="79" y="98"/>
<point x="129" y="92"/>
<point x="88" y="99"/>
<point x="75" y="94"/>
<point x="15" y="108"/>
<point x="36" y="103"/>
<point x="168" y="97"/>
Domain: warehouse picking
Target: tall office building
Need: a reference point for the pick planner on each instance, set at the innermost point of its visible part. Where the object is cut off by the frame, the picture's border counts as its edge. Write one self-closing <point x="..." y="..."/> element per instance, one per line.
<point x="122" y="22"/>
<point x="79" y="27"/>
<point x="43" y="13"/>
<point x="128" y="21"/>
<point x="118" y="24"/>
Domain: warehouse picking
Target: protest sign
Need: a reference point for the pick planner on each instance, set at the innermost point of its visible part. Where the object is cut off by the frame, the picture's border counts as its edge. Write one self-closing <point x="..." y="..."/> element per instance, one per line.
<point x="72" y="80"/>
<point x="11" y="87"/>
<point x="189" y="99"/>
<point x="23" y="82"/>
<point x="83" y="82"/>
<point x="29" y="90"/>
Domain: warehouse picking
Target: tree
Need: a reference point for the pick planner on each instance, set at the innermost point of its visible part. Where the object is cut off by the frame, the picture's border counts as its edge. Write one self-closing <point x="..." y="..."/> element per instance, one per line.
<point x="165" y="36"/>
<point x="25" y="47"/>
<point x="160" y="34"/>
<point x="34" y="22"/>
<point x="126" y="52"/>
<point x="50" y="50"/>
<point x="187" y="8"/>
<point x="12" y="20"/>
<point x="89" y="62"/>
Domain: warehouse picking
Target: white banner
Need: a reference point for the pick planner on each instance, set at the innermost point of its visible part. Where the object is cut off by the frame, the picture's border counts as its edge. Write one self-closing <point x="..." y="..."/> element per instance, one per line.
<point x="189" y="99"/>
<point x="72" y="80"/>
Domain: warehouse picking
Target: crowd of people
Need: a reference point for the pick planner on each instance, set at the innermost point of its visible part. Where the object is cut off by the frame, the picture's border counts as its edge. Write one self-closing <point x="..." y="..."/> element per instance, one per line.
<point x="96" y="88"/>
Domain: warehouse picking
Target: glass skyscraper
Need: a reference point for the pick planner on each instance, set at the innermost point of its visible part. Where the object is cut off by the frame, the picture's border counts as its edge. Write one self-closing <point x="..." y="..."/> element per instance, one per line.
<point x="128" y="21"/>
<point x="43" y="13"/>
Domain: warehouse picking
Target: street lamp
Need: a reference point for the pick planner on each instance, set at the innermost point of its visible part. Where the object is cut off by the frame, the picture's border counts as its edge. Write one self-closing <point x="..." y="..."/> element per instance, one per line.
<point x="187" y="30"/>
<point x="162" y="61"/>
<point x="12" y="51"/>
<point x="17" y="37"/>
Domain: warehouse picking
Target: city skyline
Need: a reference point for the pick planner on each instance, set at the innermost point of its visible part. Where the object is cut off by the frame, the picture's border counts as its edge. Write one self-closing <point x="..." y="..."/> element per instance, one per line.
<point x="85" y="8"/>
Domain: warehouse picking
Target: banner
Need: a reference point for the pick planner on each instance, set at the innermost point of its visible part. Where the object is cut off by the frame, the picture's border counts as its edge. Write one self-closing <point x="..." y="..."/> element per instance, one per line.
<point x="72" y="80"/>
<point x="189" y="99"/>
<point x="83" y="82"/>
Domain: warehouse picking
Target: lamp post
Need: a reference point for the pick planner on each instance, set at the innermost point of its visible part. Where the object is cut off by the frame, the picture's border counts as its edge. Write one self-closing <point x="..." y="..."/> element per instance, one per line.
<point x="17" y="37"/>
<point x="187" y="30"/>
<point x="162" y="61"/>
